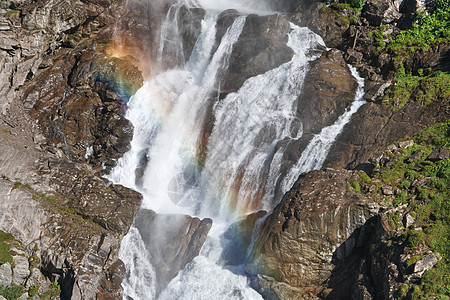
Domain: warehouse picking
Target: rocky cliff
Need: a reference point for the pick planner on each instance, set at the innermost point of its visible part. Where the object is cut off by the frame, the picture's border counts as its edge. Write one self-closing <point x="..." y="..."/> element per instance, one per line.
<point x="339" y="234"/>
<point x="62" y="124"/>
<point x="68" y="69"/>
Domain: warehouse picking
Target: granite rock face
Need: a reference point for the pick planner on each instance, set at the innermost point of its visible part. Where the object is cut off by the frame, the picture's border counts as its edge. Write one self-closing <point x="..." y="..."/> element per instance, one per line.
<point x="172" y="241"/>
<point x="260" y="48"/>
<point x="63" y="93"/>
<point x="328" y="89"/>
<point x="375" y="126"/>
<point x="299" y="239"/>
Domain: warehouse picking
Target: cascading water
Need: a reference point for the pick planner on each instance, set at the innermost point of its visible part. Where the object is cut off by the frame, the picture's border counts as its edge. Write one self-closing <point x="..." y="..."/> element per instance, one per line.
<point x="242" y="161"/>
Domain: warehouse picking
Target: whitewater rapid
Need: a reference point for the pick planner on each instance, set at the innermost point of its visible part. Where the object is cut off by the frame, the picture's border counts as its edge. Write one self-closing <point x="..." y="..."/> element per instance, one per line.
<point x="242" y="162"/>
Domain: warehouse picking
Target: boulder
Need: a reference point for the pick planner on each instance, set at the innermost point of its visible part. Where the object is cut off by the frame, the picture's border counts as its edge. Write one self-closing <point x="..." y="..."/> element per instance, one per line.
<point x="329" y="87"/>
<point x="260" y="48"/>
<point x="379" y="12"/>
<point x="21" y="270"/>
<point x="439" y="154"/>
<point x="6" y="274"/>
<point x="172" y="240"/>
<point x="299" y="239"/>
<point x="427" y="263"/>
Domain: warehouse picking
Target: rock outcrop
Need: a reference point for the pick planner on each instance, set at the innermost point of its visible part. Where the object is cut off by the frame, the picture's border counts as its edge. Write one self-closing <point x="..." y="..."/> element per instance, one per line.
<point x="172" y="241"/>
<point x="328" y="89"/>
<point x="375" y="126"/>
<point x="299" y="239"/>
<point x="62" y="107"/>
<point x="260" y="48"/>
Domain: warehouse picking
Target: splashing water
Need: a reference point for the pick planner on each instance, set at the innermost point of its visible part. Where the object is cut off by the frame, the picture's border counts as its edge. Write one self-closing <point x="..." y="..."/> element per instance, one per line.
<point x="242" y="163"/>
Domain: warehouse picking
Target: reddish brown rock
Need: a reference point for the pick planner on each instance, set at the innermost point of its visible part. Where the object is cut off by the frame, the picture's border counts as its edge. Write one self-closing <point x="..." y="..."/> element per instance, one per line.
<point x="172" y="240"/>
<point x="328" y="89"/>
<point x="305" y="231"/>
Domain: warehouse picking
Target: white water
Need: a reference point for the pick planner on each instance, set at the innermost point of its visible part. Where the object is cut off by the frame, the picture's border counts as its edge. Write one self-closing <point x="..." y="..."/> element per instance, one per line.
<point x="242" y="163"/>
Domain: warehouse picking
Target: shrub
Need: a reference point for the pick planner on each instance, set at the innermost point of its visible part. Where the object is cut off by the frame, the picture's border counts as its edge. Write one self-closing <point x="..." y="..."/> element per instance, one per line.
<point x="12" y="292"/>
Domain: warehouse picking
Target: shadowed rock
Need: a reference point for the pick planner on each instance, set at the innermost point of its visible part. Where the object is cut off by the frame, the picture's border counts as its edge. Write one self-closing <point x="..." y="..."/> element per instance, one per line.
<point x="260" y="48"/>
<point x="172" y="240"/>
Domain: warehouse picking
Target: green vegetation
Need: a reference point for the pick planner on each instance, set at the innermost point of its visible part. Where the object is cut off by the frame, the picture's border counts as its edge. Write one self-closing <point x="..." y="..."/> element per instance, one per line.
<point x="33" y="290"/>
<point x="54" y="290"/>
<point x="12" y="292"/>
<point x="378" y="36"/>
<point x="353" y="185"/>
<point x="12" y="13"/>
<point x="424" y="89"/>
<point x="33" y="261"/>
<point x="424" y="186"/>
<point x="5" y="241"/>
<point x="431" y="30"/>
<point x="53" y="203"/>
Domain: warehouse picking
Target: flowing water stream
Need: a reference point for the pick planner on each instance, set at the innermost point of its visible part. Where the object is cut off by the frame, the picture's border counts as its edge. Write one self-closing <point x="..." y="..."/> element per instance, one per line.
<point x="243" y="159"/>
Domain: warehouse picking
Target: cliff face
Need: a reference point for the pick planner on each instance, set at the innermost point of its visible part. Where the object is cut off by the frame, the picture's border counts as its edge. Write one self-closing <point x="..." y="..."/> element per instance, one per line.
<point x="67" y="71"/>
<point x="62" y="119"/>
<point x="339" y="234"/>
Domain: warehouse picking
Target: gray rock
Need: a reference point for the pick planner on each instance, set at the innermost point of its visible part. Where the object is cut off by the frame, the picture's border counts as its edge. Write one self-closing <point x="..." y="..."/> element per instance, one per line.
<point x="24" y="296"/>
<point x="37" y="278"/>
<point x="379" y="12"/>
<point x="409" y="220"/>
<point x="406" y="144"/>
<point x="415" y="156"/>
<point x="21" y="271"/>
<point x="387" y="190"/>
<point x="427" y="263"/>
<point x="5" y="274"/>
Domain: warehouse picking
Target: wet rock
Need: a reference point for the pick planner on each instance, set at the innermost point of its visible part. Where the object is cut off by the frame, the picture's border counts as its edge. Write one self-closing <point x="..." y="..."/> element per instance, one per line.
<point x="329" y="88"/>
<point x="301" y="236"/>
<point x="269" y="288"/>
<point x="172" y="240"/>
<point x="240" y="236"/>
<point x="82" y="87"/>
<point x="260" y="48"/>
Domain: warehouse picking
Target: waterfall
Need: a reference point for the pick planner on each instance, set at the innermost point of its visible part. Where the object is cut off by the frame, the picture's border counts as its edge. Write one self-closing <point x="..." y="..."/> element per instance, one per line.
<point x="243" y="158"/>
